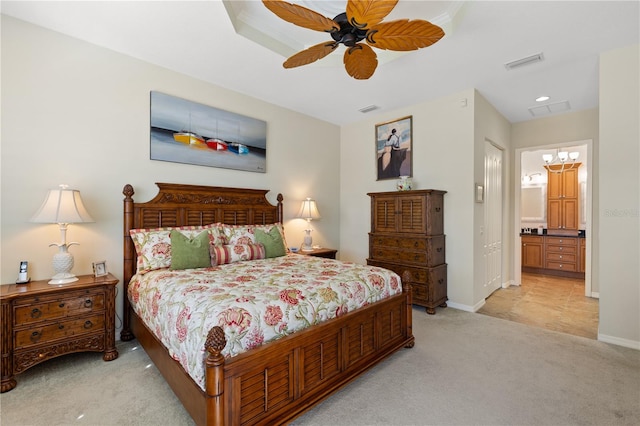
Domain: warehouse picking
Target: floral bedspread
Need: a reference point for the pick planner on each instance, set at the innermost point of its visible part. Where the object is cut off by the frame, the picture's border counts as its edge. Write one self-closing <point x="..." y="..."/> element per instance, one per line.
<point x="253" y="301"/>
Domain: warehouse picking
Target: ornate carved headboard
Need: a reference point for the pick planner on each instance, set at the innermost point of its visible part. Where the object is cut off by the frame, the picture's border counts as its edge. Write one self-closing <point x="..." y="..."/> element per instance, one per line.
<point x="194" y="205"/>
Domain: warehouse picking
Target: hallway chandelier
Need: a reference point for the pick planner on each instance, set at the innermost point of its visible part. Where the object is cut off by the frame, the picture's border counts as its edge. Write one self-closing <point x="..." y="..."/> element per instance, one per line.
<point x="567" y="160"/>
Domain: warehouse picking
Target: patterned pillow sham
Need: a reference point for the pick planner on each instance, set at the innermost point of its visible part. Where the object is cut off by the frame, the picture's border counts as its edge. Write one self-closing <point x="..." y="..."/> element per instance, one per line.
<point x="153" y="246"/>
<point x="245" y="234"/>
<point x="230" y="253"/>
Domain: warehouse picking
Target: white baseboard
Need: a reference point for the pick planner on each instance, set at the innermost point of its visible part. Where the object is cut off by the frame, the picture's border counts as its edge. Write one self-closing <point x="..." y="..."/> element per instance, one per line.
<point x="466" y="308"/>
<point x="619" y="341"/>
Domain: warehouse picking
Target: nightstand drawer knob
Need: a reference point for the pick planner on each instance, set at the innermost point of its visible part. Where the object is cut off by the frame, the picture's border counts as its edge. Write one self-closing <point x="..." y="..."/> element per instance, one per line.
<point x="35" y="336"/>
<point x="439" y="249"/>
<point x="60" y="327"/>
<point x="61" y="305"/>
<point x="36" y="313"/>
<point x="88" y="324"/>
<point x="88" y="303"/>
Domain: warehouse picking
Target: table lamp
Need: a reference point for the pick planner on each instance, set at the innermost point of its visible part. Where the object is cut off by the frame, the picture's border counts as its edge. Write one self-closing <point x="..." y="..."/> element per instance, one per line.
<point x="62" y="206"/>
<point x="308" y="211"/>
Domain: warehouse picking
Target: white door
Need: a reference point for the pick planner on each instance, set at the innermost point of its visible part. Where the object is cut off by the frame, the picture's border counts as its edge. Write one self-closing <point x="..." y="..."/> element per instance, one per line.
<point x="492" y="218"/>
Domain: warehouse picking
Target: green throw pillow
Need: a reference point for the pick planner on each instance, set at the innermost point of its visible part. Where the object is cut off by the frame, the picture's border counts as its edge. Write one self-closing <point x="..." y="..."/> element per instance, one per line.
<point x="188" y="253"/>
<point x="272" y="242"/>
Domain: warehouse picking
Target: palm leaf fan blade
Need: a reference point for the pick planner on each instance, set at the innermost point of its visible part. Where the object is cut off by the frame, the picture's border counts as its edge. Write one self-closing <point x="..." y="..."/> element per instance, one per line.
<point x="301" y="16"/>
<point x="310" y="55"/>
<point x="360" y="61"/>
<point x="367" y="13"/>
<point x="404" y="35"/>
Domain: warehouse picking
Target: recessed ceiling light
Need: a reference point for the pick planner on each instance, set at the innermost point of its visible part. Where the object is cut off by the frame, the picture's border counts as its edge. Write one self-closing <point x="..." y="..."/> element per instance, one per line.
<point x="542" y="99"/>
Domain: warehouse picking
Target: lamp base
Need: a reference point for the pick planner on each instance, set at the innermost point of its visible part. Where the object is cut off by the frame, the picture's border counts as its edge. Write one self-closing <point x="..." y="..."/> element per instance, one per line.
<point x="63" y="278"/>
<point x="307" y="242"/>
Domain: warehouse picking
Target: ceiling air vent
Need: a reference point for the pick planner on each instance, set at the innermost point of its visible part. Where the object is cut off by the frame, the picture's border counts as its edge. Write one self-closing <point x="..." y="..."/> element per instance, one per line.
<point x="561" y="106"/>
<point x="369" y="108"/>
<point x="524" y="61"/>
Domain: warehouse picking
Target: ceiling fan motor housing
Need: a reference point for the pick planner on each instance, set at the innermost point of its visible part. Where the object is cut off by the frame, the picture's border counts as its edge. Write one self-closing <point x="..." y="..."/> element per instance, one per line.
<point x="348" y="34"/>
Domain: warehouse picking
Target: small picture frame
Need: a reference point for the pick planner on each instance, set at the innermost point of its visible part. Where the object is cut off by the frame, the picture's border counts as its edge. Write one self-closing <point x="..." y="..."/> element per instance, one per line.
<point x="479" y="193"/>
<point x="100" y="268"/>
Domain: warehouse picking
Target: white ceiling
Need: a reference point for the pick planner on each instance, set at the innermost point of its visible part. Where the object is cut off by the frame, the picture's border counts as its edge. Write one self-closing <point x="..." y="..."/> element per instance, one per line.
<point x="197" y="38"/>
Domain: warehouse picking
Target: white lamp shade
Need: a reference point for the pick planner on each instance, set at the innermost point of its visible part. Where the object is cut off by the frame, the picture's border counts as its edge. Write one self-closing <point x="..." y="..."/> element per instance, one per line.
<point x="62" y="206"/>
<point x="309" y="210"/>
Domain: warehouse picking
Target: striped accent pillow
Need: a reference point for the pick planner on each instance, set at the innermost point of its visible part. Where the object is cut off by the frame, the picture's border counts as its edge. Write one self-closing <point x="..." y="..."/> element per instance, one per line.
<point x="230" y="253"/>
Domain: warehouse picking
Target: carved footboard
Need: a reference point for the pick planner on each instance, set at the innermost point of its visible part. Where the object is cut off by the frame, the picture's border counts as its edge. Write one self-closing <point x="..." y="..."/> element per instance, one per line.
<point x="279" y="381"/>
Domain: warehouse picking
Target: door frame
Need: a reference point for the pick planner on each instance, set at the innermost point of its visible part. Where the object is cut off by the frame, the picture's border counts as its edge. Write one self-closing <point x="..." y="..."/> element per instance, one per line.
<point x="517" y="263"/>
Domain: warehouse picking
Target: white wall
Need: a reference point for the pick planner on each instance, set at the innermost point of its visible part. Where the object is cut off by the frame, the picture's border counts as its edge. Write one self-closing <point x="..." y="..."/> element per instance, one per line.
<point x="443" y="155"/>
<point x="78" y="114"/>
<point x="619" y="207"/>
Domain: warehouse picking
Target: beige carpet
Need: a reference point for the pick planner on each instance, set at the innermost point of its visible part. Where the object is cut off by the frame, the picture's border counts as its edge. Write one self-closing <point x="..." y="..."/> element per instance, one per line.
<point x="465" y="369"/>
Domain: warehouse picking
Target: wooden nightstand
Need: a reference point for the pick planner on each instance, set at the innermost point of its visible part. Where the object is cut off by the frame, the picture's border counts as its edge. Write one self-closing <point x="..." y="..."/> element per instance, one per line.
<point x="321" y="252"/>
<point x="41" y="321"/>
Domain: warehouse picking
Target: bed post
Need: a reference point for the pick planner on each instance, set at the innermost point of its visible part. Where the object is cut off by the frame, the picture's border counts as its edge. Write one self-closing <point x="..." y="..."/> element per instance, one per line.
<point x="406" y="289"/>
<point x="128" y="266"/>
<point x="214" y="376"/>
<point x="280" y="214"/>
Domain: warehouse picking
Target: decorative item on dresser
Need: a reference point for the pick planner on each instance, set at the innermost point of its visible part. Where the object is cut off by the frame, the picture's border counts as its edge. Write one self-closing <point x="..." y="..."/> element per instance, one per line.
<point x="407" y="235"/>
<point x="42" y="321"/>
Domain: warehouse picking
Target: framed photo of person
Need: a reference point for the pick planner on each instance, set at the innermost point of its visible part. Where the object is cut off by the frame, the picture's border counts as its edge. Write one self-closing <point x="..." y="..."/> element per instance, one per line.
<point x="100" y="268"/>
<point x="394" y="141"/>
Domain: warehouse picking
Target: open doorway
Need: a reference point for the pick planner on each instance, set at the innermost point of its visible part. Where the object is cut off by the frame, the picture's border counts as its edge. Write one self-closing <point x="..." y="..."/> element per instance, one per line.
<point x="551" y="298"/>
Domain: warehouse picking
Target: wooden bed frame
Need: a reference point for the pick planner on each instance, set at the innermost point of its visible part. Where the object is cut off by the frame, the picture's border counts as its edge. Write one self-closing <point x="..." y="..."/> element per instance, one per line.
<point x="278" y="381"/>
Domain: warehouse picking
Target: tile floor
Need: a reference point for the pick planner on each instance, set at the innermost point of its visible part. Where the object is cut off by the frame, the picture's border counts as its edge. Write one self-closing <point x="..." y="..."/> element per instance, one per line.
<point x="549" y="302"/>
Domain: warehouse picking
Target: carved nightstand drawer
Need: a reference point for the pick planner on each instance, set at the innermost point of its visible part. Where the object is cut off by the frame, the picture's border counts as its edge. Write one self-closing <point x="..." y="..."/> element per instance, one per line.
<point x="42" y="321"/>
<point x="59" y="330"/>
<point x="32" y="310"/>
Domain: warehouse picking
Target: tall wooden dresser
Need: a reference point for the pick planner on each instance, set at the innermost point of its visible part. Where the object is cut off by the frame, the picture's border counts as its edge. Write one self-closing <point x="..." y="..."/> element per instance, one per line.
<point x="407" y="234"/>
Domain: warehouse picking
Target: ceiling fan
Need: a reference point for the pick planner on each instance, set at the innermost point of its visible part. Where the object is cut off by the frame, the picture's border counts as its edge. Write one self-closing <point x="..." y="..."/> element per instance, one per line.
<point x="362" y="21"/>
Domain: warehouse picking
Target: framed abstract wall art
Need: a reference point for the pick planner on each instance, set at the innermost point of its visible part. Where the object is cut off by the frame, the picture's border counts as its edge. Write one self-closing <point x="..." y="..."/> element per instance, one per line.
<point x="393" y="148"/>
<point x="188" y="132"/>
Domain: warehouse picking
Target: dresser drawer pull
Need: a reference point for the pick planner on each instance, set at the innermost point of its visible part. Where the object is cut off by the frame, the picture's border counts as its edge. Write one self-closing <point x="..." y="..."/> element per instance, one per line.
<point x="88" y="303"/>
<point x="35" y="336"/>
<point x="441" y="280"/>
<point x="60" y="327"/>
<point x="61" y="305"/>
<point x="416" y="257"/>
<point x="439" y="249"/>
<point x="88" y="324"/>
<point x="36" y="313"/>
<point x="416" y="244"/>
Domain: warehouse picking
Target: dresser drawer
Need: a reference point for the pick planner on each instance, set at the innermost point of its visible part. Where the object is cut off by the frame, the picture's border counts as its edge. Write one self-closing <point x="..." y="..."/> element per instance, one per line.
<point x="32" y="310"/>
<point x="59" y="330"/>
<point x="562" y="266"/>
<point x="426" y="251"/>
<point x="562" y="241"/>
<point x="570" y="250"/>
<point x="429" y="285"/>
<point x="561" y="257"/>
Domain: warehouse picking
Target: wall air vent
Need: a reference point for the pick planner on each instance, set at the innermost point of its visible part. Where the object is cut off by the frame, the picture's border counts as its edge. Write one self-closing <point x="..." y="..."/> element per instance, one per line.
<point x="369" y="108"/>
<point x="524" y="61"/>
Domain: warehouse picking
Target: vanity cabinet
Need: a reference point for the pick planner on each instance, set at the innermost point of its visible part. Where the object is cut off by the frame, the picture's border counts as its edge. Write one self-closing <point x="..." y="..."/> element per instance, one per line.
<point x="561" y="254"/>
<point x="563" y="203"/>
<point x="533" y="251"/>
<point x="407" y="235"/>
